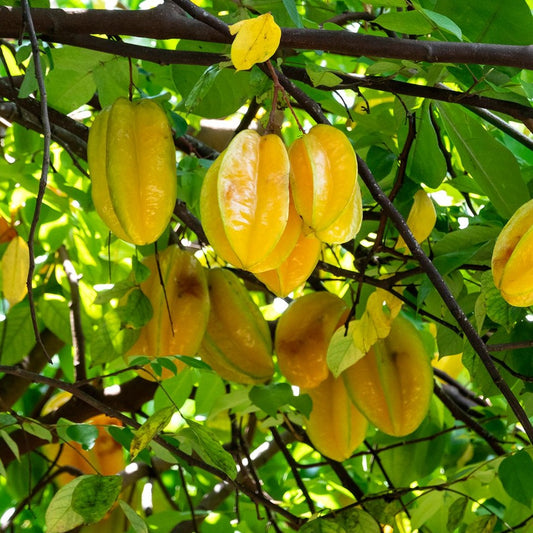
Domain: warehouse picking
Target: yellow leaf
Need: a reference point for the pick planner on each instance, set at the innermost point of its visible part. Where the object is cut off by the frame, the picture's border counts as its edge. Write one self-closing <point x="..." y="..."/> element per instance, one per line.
<point x="15" y="266"/>
<point x="257" y="40"/>
<point x="375" y="323"/>
<point x="421" y="219"/>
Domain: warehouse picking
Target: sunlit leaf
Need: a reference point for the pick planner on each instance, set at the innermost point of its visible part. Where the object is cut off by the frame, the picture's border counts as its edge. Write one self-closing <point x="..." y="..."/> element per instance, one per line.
<point x="346" y="349"/>
<point x="15" y="267"/>
<point x="342" y="351"/>
<point x="60" y="515"/>
<point x="150" y="429"/>
<point x="256" y="41"/>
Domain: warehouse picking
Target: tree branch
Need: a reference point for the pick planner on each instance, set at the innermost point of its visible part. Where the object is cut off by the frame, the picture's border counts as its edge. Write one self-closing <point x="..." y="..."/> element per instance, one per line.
<point x="168" y="22"/>
<point x="440" y="285"/>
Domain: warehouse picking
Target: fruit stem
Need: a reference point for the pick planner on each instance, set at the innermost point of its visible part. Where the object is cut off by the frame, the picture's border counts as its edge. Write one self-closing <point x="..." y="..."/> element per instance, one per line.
<point x="279" y="87"/>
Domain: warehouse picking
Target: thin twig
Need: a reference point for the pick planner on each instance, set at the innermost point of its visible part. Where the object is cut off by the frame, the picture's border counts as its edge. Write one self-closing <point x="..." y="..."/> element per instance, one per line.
<point x="460" y="414"/>
<point x="204" y="16"/>
<point x="189" y="499"/>
<point x="294" y="468"/>
<point x="76" y="328"/>
<point x="47" y="135"/>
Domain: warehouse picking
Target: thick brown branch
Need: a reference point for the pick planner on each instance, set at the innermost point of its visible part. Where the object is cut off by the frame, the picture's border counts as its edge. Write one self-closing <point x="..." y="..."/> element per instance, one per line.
<point x="168" y="22"/>
<point x="26" y="112"/>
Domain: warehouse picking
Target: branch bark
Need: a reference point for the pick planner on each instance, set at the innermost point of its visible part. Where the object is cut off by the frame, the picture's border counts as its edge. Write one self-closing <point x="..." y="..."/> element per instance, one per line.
<point x="169" y="22"/>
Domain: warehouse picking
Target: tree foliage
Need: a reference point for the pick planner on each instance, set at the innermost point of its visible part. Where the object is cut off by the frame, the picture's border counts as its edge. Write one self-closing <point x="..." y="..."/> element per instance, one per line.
<point x="433" y="96"/>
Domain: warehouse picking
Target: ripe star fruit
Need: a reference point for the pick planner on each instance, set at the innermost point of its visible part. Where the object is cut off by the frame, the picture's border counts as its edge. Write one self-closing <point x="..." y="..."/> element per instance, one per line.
<point x="106" y="457"/>
<point x="324" y="184"/>
<point x="335" y="426"/>
<point x="512" y="268"/>
<point x="393" y="383"/>
<point x="295" y="267"/>
<point x="244" y="202"/>
<point x="286" y="244"/>
<point x="237" y="343"/>
<point x="421" y="219"/>
<point x="303" y="334"/>
<point x="132" y="163"/>
<point x="187" y="294"/>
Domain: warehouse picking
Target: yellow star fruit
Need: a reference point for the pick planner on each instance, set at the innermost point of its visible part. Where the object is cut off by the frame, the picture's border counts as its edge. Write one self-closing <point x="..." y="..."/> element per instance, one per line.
<point x="421" y="219"/>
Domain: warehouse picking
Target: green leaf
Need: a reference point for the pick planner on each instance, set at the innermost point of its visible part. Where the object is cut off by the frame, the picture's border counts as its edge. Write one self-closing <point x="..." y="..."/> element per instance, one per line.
<point x="193" y="362"/>
<point x="418" y="457"/>
<point x="322" y="77"/>
<point x="485" y="524"/>
<point x="139" y="270"/>
<point x="444" y="23"/>
<point x="54" y="311"/>
<point x="201" y="88"/>
<point x="497" y="308"/>
<point x="12" y="445"/>
<point x="210" y="449"/>
<point x="210" y="389"/>
<point x="465" y="238"/>
<point x="60" y="517"/>
<point x="342" y="352"/>
<point x="491" y="21"/>
<point x="516" y="473"/>
<point x="426" y="163"/>
<point x="93" y="496"/>
<point x="456" y="513"/>
<point x="427" y="505"/>
<point x="19" y="337"/>
<point x="486" y="160"/>
<point x="347" y="521"/>
<point x="69" y="89"/>
<point x="34" y="428"/>
<point x="410" y="22"/>
<point x="112" y="79"/>
<point x="214" y="93"/>
<point x="303" y="404"/>
<point x="270" y="398"/>
<point x="137" y="311"/>
<point x="110" y="339"/>
<point x="160" y="451"/>
<point x="85" y="434"/>
<point x="290" y="6"/>
<point x="7" y="420"/>
<point x="389" y="3"/>
<point x="138" y="524"/>
<point x="118" y="290"/>
<point x="175" y="390"/>
<point x="150" y="429"/>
